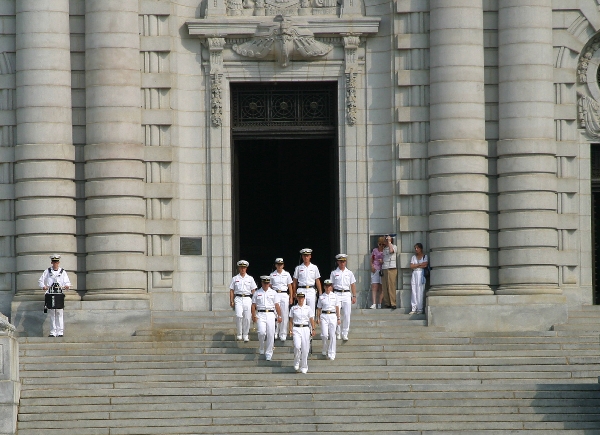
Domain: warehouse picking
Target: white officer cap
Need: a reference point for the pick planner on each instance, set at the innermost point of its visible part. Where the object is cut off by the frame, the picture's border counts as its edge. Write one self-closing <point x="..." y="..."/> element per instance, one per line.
<point x="265" y="278"/>
<point x="306" y="251"/>
<point x="300" y="293"/>
<point x="243" y="263"/>
<point x="327" y="282"/>
<point x="341" y="257"/>
<point x="55" y="257"/>
<point x="279" y="260"/>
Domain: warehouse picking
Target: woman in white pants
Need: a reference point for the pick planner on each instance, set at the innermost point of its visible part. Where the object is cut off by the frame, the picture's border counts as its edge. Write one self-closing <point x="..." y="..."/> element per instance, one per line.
<point x="418" y="263"/>
<point x="328" y="313"/>
<point x="302" y="327"/>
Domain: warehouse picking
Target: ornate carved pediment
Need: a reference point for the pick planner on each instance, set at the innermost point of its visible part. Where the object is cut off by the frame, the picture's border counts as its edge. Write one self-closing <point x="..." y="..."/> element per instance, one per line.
<point x="282" y="38"/>
<point x="589" y="116"/>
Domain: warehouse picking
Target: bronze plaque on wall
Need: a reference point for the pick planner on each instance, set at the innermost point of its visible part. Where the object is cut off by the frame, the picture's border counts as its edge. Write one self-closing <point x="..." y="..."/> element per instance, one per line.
<point x="190" y="245"/>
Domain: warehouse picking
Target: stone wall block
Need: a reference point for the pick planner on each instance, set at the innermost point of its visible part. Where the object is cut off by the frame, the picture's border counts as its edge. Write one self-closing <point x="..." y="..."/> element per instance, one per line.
<point x="458" y="164"/>
<point x="547" y="237"/>
<point x="516" y="147"/>
<point x="116" y="224"/>
<point x="459" y="221"/>
<point x="24" y="6"/>
<point x="510" y="73"/>
<point x="458" y="183"/>
<point x="115" y="261"/>
<point x="535" y="255"/>
<point x="46" y="59"/>
<point x="43" y="39"/>
<point x="114" y="151"/>
<point x="110" y="40"/>
<point x="52" y="116"/>
<point x="461" y="257"/>
<point x="124" y="114"/>
<point x="513" y="111"/>
<point x="465" y="147"/>
<point x="32" y="244"/>
<point x="528" y="219"/>
<point x="128" y="77"/>
<point x="116" y="187"/>
<point x="44" y="96"/>
<point x="532" y="275"/>
<point x="113" y="132"/>
<point x="115" y="206"/>
<point x="45" y="206"/>
<point x="526" y="164"/>
<point x="30" y="272"/>
<point x="115" y="243"/>
<point x="55" y="224"/>
<point x="450" y="38"/>
<point x="456" y="57"/>
<point x="43" y="77"/>
<point x="457" y="75"/>
<point x="461" y="92"/>
<point x="115" y="169"/>
<point x="460" y="239"/>
<point x="92" y="6"/>
<point x="528" y="182"/>
<point x="53" y="151"/>
<point x="37" y="170"/>
<point x="459" y="201"/>
<point x="41" y="132"/>
<point x="114" y="97"/>
<point x="457" y="277"/>
<point x="454" y="127"/>
<point x="59" y="188"/>
<point x="117" y="58"/>
<point x="122" y="281"/>
<point x="528" y="201"/>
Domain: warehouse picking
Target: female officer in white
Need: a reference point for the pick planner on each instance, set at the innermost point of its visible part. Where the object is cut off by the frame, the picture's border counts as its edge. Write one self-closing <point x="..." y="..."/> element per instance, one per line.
<point x="344" y="286"/>
<point x="281" y="281"/>
<point x="328" y="313"/>
<point x="264" y="308"/>
<point x="302" y="326"/>
<point x="55" y="274"/>
<point x="240" y="293"/>
<point x="306" y="277"/>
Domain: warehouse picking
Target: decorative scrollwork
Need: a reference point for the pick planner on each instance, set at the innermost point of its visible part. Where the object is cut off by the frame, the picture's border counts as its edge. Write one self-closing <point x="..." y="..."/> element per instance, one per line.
<point x="351" y="115"/>
<point x="589" y="116"/>
<point x="585" y="58"/>
<point x="282" y="39"/>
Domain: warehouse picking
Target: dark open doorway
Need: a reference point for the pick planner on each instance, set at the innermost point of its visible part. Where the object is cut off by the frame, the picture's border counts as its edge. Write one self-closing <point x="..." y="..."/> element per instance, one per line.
<point x="595" y="177"/>
<point x="285" y="174"/>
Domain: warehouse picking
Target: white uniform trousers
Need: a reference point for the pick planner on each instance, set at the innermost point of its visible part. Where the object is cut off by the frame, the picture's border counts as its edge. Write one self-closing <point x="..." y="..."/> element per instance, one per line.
<point x="57" y="324"/>
<point x="243" y="315"/>
<point x="283" y="299"/>
<point x="345" y="312"/>
<point x="328" y="326"/>
<point x="301" y="346"/>
<point x="266" y="332"/>
<point x="311" y="298"/>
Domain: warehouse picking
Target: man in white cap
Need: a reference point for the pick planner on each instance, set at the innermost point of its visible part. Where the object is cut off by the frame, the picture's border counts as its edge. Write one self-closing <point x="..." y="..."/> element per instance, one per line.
<point x="328" y="313"/>
<point x="302" y="327"/>
<point x="344" y="285"/>
<point x="264" y="309"/>
<point x="281" y="282"/>
<point x="55" y="275"/>
<point x="306" y="277"/>
<point x="240" y="293"/>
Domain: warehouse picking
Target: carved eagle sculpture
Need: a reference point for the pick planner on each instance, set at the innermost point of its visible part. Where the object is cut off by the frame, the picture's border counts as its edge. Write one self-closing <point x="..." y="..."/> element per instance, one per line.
<point x="282" y="39"/>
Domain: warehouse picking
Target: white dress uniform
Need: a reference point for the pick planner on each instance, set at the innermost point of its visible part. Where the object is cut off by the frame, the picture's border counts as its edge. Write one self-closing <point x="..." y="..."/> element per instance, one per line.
<point x="417" y="284"/>
<point x="280" y="282"/>
<point x="342" y="281"/>
<point x="242" y="287"/>
<point x="49" y="277"/>
<point x="328" y="319"/>
<point x="307" y="277"/>
<point x="300" y="317"/>
<point x="266" y="316"/>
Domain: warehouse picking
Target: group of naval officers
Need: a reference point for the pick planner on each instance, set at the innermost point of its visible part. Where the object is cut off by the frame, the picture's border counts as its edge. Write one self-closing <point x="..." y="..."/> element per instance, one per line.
<point x="272" y="306"/>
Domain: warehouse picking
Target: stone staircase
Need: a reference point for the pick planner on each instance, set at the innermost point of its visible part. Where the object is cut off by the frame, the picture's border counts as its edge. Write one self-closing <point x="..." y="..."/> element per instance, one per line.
<point x="189" y="376"/>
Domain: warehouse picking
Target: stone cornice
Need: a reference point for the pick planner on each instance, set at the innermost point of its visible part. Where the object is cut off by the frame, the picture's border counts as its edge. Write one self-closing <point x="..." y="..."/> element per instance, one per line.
<point x="246" y="26"/>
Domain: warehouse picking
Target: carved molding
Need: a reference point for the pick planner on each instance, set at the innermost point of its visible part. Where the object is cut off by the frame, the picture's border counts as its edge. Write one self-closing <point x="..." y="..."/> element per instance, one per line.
<point x="282" y="39"/>
<point x="589" y="116"/>
<point x="351" y="43"/>
<point x="586" y="57"/>
<point x="215" y="47"/>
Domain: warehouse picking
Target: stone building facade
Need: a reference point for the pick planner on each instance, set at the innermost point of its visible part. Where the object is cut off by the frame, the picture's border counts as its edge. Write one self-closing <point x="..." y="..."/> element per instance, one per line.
<point x="132" y="132"/>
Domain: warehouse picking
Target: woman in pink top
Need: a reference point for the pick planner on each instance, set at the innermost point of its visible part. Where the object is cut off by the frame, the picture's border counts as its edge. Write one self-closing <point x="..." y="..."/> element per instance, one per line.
<point x="376" y="262"/>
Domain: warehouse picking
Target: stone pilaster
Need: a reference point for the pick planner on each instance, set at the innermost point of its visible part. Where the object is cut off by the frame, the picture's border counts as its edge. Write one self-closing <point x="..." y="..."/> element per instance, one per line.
<point x="44" y="153"/>
<point x="457" y="151"/>
<point x="114" y="153"/>
<point x="527" y="178"/>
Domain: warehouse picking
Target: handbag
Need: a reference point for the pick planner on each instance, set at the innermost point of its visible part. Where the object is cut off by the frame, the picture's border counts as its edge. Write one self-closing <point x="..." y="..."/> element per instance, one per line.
<point x="427" y="269"/>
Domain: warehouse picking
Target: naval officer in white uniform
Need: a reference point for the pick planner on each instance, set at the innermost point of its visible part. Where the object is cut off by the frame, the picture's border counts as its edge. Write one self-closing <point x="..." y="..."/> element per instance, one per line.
<point x="240" y="293"/>
<point x="265" y="312"/>
<point x="344" y="286"/>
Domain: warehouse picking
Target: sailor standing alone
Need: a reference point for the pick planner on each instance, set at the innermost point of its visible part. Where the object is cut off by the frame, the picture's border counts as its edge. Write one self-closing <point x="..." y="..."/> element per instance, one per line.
<point x="51" y="276"/>
<point x="302" y="327"/>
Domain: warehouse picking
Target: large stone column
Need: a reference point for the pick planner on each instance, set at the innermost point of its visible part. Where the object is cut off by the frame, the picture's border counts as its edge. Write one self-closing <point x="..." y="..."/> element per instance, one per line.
<point x="44" y="153"/>
<point x="527" y="180"/>
<point x="114" y="168"/>
<point x="458" y="185"/>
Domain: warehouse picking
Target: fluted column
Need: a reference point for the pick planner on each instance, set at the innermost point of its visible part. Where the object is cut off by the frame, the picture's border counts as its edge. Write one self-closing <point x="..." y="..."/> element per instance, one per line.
<point x="458" y="185"/>
<point x="527" y="180"/>
<point x="44" y="153"/>
<point x="114" y="169"/>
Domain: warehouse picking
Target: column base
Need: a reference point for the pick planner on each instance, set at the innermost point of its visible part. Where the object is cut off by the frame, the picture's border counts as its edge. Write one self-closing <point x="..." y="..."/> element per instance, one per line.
<point x="497" y="313"/>
<point x="83" y="318"/>
<point x="462" y="290"/>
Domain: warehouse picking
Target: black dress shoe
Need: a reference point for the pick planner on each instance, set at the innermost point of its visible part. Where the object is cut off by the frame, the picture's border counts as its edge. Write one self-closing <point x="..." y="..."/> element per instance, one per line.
<point x="393" y="307"/>
<point x="60" y="335"/>
<point x="50" y="335"/>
